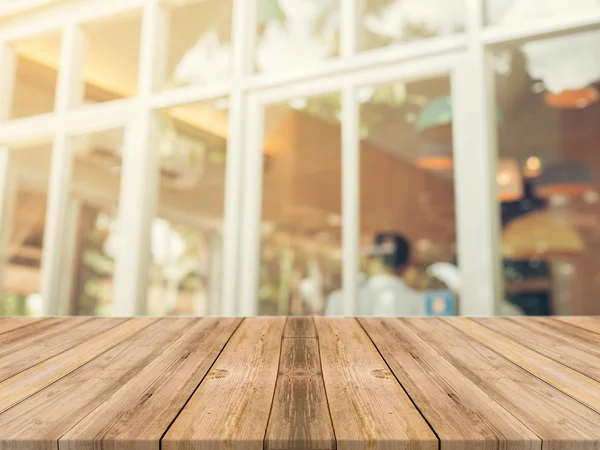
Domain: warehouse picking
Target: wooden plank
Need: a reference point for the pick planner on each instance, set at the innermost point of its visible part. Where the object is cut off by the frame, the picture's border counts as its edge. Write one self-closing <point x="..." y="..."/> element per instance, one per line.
<point x="300" y="415"/>
<point x="463" y="416"/>
<point x="22" y="355"/>
<point x="553" y="342"/>
<point x="28" y="382"/>
<point x="139" y="413"/>
<point x="12" y="323"/>
<point x="20" y="336"/>
<point x="231" y="407"/>
<point x="587" y="323"/>
<point x="301" y="327"/>
<point x="369" y="409"/>
<point x="559" y="420"/>
<point x="569" y="381"/>
<point x="39" y="421"/>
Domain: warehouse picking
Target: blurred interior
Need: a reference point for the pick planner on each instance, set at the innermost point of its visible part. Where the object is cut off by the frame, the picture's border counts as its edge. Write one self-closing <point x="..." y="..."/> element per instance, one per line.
<point x="403" y="188"/>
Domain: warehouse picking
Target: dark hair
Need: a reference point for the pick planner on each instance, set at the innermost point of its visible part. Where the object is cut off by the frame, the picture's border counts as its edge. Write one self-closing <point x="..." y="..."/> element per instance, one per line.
<point x="398" y="254"/>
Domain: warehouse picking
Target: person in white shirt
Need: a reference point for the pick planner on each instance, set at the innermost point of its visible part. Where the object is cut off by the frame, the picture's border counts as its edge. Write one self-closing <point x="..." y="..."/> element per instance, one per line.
<point x="384" y="293"/>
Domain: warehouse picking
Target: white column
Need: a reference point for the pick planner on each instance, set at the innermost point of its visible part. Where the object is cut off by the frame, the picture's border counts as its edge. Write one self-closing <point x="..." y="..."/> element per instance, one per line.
<point x="350" y="198"/>
<point x="7" y="200"/>
<point x="475" y="144"/>
<point x="69" y="93"/>
<point x="349" y="20"/>
<point x="67" y="273"/>
<point x="8" y="72"/>
<point x="252" y="206"/>
<point x="215" y="278"/>
<point x="139" y="180"/>
<point x="243" y="39"/>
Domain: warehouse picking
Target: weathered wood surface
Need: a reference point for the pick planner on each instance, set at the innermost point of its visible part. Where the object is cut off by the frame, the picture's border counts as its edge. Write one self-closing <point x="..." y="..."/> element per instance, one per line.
<point x="299" y="383"/>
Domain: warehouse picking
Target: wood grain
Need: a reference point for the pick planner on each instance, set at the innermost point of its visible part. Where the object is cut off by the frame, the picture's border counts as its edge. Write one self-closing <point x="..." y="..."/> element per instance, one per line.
<point x="555" y="342"/>
<point x="573" y="383"/>
<point x="369" y="409"/>
<point x="559" y="420"/>
<point x="463" y="416"/>
<point x="230" y="409"/>
<point x="28" y="382"/>
<point x="27" y="352"/>
<point x="299" y="327"/>
<point x="300" y="416"/>
<point x="12" y="323"/>
<point x="38" y="422"/>
<point x="139" y="413"/>
<point x="22" y="336"/>
<point x="587" y="323"/>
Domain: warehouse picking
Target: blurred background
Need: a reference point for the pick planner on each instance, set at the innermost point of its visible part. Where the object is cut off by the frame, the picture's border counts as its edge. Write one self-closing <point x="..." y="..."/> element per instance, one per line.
<point x="223" y="157"/>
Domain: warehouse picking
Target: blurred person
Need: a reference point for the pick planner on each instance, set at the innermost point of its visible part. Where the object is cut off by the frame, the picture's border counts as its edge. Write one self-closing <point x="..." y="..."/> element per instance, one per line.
<point x="384" y="293"/>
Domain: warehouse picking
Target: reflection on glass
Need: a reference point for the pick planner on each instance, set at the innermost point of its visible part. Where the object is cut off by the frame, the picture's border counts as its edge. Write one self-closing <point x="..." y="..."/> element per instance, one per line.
<point x="112" y="57"/>
<point x="513" y="12"/>
<point x="200" y="50"/>
<point x="186" y="236"/>
<point x="300" y="262"/>
<point x="549" y="237"/>
<point x="95" y="189"/>
<point x="407" y="189"/>
<point x="36" y="75"/>
<point x="386" y="22"/>
<point x="293" y="33"/>
<point x="23" y="231"/>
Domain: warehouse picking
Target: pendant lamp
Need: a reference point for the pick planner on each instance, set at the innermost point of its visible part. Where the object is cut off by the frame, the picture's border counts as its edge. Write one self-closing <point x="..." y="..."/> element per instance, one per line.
<point x="573" y="98"/>
<point x="435" y="156"/>
<point x="509" y="180"/>
<point x="564" y="179"/>
<point x="435" y="120"/>
<point x="541" y="235"/>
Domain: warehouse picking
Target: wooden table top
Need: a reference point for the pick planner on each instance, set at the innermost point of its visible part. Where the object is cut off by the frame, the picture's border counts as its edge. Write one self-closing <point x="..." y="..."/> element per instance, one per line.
<point x="299" y="383"/>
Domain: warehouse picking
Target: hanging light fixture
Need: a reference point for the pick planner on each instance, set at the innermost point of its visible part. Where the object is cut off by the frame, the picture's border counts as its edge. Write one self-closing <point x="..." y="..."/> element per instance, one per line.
<point x="540" y="235"/>
<point x="435" y="156"/>
<point x="564" y="179"/>
<point x="573" y="98"/>
<point x="533" y="167"/>
<point x="510" y="183"/>
<point x="435" y="119"/>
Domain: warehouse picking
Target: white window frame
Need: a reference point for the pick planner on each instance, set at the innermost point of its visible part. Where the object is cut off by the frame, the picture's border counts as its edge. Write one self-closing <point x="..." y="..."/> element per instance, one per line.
<point x="475" y="137"/>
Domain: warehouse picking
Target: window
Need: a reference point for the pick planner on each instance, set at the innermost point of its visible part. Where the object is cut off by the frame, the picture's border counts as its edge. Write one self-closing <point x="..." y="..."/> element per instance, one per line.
<point x="387" y="22"/>
<point x="300" y="259"/>
<point x="93" y="246"/>
<point x="112" y="53"/>
<point x="37" y="61"/>
<point x="23" y="232"/>
<point x="549" y="175"/>
<point x="519" y="12"/>
<point x="295" y="33"/>
<point x="186" y="234"/>
<point x="407" y="186"/>
<point x="199" y="44"/>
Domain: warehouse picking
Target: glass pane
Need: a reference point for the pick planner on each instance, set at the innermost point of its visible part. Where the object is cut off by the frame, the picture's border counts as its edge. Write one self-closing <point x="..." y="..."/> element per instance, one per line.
<point x="295" y="33"/>
<point x="38" y="59"/>
<point x="200" y="42"/>
<point x="186" y="235"/>
<point x="387" y="22"/>
<point x="112" y="57"/>
<point x="23" y="231"/>
<point x="408" y="234"/>
<point x="549" y="176"/>
<point x="95" y="189"/>
<point x="522" y="12"/>
<point x="300" y="260"/>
